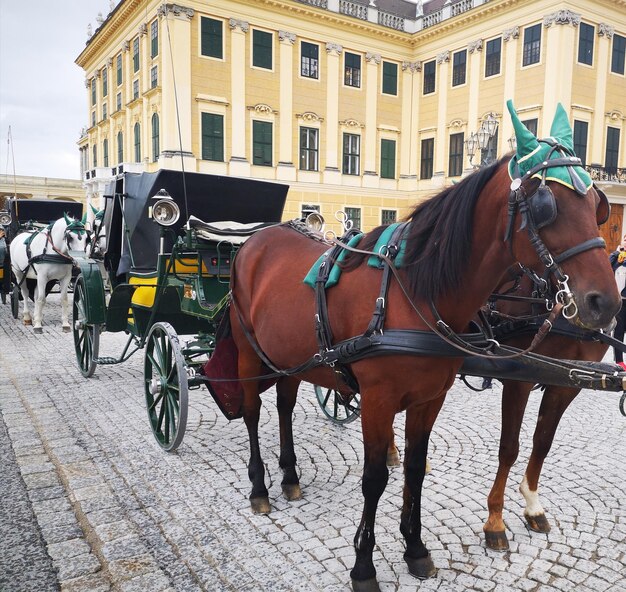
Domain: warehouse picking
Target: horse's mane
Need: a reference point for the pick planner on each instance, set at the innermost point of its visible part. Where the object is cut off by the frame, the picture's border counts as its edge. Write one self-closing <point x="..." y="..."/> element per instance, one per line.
<point x="439" y="237"/>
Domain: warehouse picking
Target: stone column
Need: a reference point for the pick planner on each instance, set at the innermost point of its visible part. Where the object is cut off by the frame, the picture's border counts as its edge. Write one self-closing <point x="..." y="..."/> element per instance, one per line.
<point x="441" y="140"/>
<point x="474" y="75"/>
<point x="239" y="165"/>
<point x="602" y="57"/>
<point x="509" y="67"/>
<point x="370" y="136"/>
<point x="332" y="173"/>
<point x="411" y="83"/>
<point x="286" y="169"/>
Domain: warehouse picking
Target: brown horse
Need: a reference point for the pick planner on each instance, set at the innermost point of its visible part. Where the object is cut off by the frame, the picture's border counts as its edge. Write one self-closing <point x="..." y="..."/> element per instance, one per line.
<point x="515" y="396"/>
<point x="456" y="253"/>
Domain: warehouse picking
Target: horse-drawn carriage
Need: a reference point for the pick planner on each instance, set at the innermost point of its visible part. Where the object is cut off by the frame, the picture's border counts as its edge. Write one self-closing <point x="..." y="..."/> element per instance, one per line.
<point x="392" y="329"/>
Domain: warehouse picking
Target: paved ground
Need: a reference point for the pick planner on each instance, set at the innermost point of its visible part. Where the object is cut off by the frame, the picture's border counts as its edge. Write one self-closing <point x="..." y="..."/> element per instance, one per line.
<point x="115" y="512"/>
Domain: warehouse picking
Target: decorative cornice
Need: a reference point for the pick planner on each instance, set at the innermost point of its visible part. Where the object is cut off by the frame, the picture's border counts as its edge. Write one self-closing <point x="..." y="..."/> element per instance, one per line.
<point x="262" y="109"/>
<point x="286" y="37"/>
<point x="126" y="46"/>
<point x="142" y="29"/>
<point x="457" y="123"/>
<point x="512" y="33"/>
<point x="412" y="66"/>
<point x="351" y="123"/>
<point x="444" y="56"/>
<point x="176" y="10"/>
<point x="334" y="49"/>
<point x="473" y="46"/>
<point x="614" y="115"/>
<point x="309" y="116"/>
<point x="109" y="62"/>
<point x="605" y="30"/>
<point x="373" y="58"/>
<point x="562" y="17"/>
<point x="235" y="24"/>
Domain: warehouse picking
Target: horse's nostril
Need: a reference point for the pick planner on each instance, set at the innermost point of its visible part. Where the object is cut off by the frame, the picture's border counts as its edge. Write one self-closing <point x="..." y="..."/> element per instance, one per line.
<point x="600" y="306"/>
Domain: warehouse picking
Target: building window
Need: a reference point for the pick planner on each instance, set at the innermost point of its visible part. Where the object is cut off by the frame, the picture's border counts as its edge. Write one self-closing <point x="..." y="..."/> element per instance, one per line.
<point x="262" y="143"/>
<point x="137" y="131"/>
<point x="619" y="52"/>
<point x="261" y="49"/>
<point x="156" y="150"/>
<point x="211" y="43"/>
<point x="136" y="54"/>
<point x="105" y="153"/>
<point x="118" y="101"/>
<point x="531" y="125"/>
<point x="118" y="68"/>
<point x="532" y="45"/>
<point x="212" y="137"/>
<point x="93" y="92"/>
<point x="93" y="118"/>
<point x="135" y="89"/>
<point x="459" y="63"/>
<point x="585" y="44"/>
<point x="390" y="78"/>
<point x="104" y="111"/>
<point x="427" y="158"/>
<point x="354" y="214"/>
<point x="307" y="209"/>
<point x="120" y="147"/>
<point x="455" y="161"/>
<point x="105" y="82"/>
<point x="95" y="156"/>
<point x="351" y="154"/>
<point x="309" y="149"/>
<point x="154" y="39"/>
<point x="388" y="159"/>
<point x="428" y="71"/>
<point x="309" y="60"/>
<point x="154" y="77"/>
<point x="493" y="53"/>
<point x="581" y="129"/>
<point x="352" y="70"/>
<point x="612" y="150"/>
<point x="388" y="217"/>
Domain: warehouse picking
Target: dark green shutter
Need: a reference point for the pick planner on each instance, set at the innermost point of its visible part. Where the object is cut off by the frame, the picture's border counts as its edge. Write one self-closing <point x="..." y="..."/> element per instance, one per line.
<point x="388" y="159"/>
<point x="390" y="78"/>
<point x="212" y="137"/>
<point x="261" y="49"/>
<point x="262" y="143"/>
<point x="211" y="38"/>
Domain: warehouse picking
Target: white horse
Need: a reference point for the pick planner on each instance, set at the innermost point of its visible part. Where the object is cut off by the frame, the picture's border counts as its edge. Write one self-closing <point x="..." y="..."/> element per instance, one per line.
<point x="98" y="234"/>
<point x="43" y="255"/>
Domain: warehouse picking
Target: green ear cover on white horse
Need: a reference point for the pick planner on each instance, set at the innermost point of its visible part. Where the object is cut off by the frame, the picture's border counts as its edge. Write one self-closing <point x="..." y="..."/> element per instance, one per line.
<point x="94" y="210"/>
<point x="84" y="219"/>
<point x="67" y="219"/>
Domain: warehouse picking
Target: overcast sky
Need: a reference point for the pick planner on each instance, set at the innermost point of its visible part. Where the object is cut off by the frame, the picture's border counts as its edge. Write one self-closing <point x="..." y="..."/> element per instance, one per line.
<point x="42" y="90"/>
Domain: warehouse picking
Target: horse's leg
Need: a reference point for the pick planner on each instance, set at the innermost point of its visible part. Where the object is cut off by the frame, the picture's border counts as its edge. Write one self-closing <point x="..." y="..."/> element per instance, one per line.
<point x="377" y="425"/>
<point x="419" y="423"/>
<point x="393" y="454"/>
<point x="64" y="284"/>
<point x="21" y="281"/>
<point x="287" y="391"/>
<point x="553" y="404"/>
<point x="40" y="300"/>
<point x="514" y="400"/>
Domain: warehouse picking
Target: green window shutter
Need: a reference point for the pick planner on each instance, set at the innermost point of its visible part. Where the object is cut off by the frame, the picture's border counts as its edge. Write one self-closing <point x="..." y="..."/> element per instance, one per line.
<point x="262" y="143"/>
<point x="388" y="159"/>
<point x="154" y="39"/>
<point x="211" y="38"/>
<point x="261" y="49"/>
<point x="212" y="137"/>
<point x="390" y="78"/>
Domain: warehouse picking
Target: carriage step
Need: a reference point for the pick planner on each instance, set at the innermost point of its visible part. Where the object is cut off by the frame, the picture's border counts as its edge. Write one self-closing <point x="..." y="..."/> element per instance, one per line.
<point x="104" y="361"/>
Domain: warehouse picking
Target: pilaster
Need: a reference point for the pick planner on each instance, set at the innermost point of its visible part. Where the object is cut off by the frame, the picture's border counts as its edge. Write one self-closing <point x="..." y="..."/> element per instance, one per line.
<point x="441" y="141"/>
<point x="370" y="136"/>
<point x="286" y="169"/>
<point x="239" y="164"/>
<point x="475" y="49"/>
<point x="411" y="83"/>
<point x="602" y="56"/>
<point x="332" y="173"/>
<point x="510" y="41"/>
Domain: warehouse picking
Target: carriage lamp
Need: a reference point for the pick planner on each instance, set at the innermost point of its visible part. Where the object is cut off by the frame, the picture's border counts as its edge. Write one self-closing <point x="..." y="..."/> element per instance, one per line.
<point x="165" y="210"/>
<point x="5" y="218"/>
<point x="315" y="221"/>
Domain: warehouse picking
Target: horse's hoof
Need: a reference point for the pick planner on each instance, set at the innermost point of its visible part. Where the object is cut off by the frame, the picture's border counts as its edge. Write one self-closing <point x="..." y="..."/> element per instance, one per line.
<point x="260" y="505"/>
<point x="292" y="492"/>
<point x="66" y="329"/>
<point x="28" y="321"/>
<point x="422" y="568"/>
<point x="538" y="523"/>
<point x="370" y="585"/>
<point x="37" y="330"/>
<point x="497" y="540"/>
<point x="393" y="458"/>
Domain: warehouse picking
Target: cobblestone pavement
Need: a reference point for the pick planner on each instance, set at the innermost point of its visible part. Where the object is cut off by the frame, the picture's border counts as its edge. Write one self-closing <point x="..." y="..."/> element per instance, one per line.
<point x="118" y="513"/>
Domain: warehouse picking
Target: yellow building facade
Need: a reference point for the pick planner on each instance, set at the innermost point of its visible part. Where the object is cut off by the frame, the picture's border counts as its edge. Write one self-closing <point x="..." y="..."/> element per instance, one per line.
<point x="364" y="106"/>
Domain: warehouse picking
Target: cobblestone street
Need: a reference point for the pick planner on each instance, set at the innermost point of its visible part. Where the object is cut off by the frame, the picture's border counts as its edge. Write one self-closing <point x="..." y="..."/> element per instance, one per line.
<point x="115" y="512"/>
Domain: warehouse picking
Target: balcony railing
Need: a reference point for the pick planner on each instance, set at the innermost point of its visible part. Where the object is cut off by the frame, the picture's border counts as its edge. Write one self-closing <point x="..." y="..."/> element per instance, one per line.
<point x="610" y="174"/>
<point x="353" y="9"/>
<point x="392" y="21"/>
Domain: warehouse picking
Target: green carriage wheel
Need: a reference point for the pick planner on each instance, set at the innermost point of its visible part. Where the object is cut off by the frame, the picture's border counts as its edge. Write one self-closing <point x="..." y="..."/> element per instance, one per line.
<point x="15" y="302"/>
<point x="166" y="386"/>
<point x="337" y="408"/>
<point x="86" y="337"/>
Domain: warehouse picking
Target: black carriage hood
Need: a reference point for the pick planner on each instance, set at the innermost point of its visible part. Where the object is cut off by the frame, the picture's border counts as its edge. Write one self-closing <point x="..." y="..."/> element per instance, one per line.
<point x="211" y="198"/>
<point x="43" y="211"/>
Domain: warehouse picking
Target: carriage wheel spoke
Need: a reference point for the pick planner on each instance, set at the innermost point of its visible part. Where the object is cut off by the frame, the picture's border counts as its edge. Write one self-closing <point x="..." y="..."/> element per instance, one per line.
<point x="156" y="401"/>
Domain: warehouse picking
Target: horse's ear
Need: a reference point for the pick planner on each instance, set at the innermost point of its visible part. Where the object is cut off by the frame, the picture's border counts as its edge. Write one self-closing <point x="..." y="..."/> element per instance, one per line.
<point x="84" y="219"/>
<point x="561" y="129"/>
<point x="94" y="210"/>
<point x="67" y="219"/>
<point x="526" y="140"/>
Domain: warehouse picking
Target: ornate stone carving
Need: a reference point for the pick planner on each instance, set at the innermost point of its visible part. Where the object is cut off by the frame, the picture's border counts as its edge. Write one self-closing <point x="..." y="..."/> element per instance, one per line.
<point x="444" y="56"/>
<point x="334" y="49"/>
<point x="412" y="66"/>
<point x="457" y="123"/>
<point x="176" y="10"/>
<point x="287" y="37"/>
<point x="605" y="30"/>
<point x="142" y="29"/>
<point x="512" y="33"/>
<point x="373" y="58"/>
<point x="109" y="62"/>
<point x="614" y="115"/>
<point x="309" y="116"/>
<point x="262" y="109"/>
<point x="351" y="123"/>
<point x="562" y="17"/>
<point x="235" y="24"/>
<point x="473" y="46"/>
<point x="87" y="83"/>
<point x="126" y="46"/>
